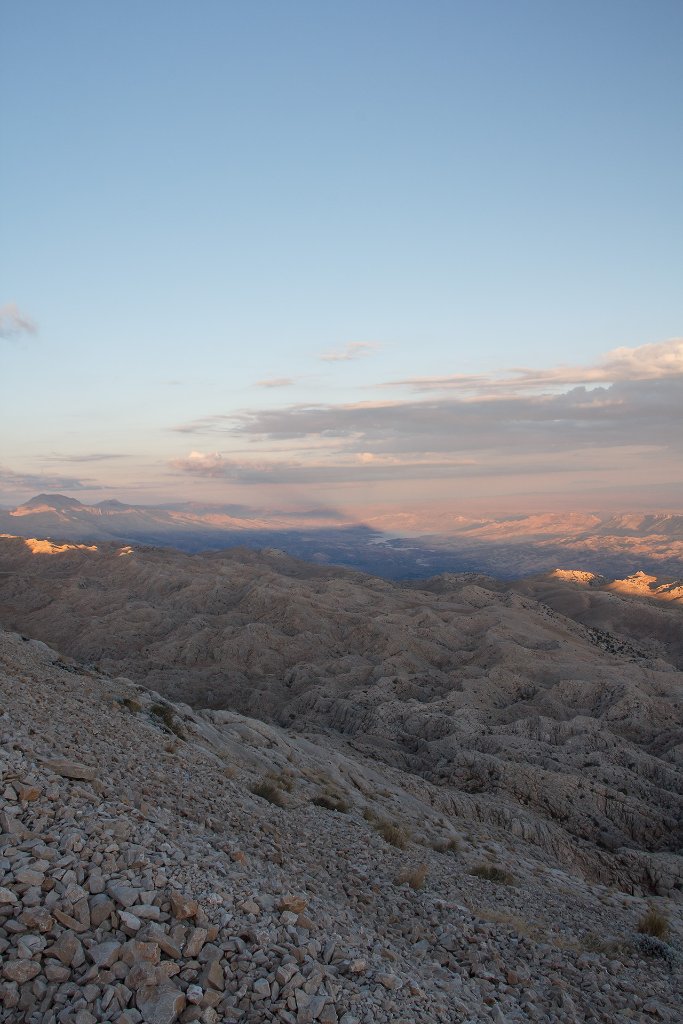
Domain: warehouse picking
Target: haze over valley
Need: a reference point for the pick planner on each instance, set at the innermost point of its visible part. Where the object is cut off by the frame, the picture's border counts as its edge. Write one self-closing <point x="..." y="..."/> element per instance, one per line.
<point x="392" y="544"/>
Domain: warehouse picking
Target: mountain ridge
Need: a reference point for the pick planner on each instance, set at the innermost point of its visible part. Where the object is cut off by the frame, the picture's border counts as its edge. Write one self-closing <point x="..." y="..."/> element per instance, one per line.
<point x="394" y="545"/>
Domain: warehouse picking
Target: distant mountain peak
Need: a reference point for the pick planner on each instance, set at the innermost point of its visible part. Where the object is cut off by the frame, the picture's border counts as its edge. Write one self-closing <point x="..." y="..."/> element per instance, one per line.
<point x="577" y="576"/>
<point x="111" y="504"/>
<point x="55" y="501"/>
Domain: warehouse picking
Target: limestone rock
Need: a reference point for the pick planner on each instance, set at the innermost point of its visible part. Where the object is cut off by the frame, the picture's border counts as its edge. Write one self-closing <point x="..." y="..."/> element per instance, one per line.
<point x="161" y="1005"/>
<point x="71" y="769"/>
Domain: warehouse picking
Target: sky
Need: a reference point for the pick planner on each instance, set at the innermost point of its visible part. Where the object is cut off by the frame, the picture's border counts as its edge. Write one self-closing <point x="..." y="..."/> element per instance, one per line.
<point x="357" y="254"/>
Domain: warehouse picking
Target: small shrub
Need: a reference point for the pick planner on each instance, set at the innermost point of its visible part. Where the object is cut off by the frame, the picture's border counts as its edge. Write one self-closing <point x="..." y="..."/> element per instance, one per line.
<point x="655" y="924"/>
<point x="165" y="714"/>
<point x="283" y="781"/>
<point x="609" y="946"/>
<point x="519" y="925"/>
<point x="267" y="790"/>
<point x="132" y="705"/>
<point x="393" y="834"/>
<point x="415" y="877"/>
<point x="331" y="802"/>
<point x="451" y="845"/>
<point x="648" y="945"/>
<point x="492" y="873"/>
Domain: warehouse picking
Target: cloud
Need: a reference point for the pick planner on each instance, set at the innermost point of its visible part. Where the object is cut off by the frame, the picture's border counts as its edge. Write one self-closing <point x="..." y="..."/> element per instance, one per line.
<point x="275" y="382"/>
<point x="645" y="362"/>
<point x="639" y="423"/>
<point x="533" y="426"/>
<point x="13" y="322"/>
<point x="216" y="466"/>
<point x="355" y="350"/>
<point x="90" y="457"/>
<point x="626" y="413"/>
<point x="204" y="425"/>
<point x="11" y="480"/>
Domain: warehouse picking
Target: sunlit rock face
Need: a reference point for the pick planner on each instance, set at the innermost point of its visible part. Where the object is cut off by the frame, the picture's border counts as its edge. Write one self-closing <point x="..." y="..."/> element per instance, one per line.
<point x="576" y="576"/>
<point x="46" y="547"/>
<point x="642" y="584"/>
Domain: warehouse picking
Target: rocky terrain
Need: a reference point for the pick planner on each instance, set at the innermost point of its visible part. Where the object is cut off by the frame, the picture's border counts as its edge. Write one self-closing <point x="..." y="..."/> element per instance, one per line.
<point x="162" y="864"/>
<point x="395" y="544"/>
<point x="522" y="718"/>
<point x="641" y="609"/>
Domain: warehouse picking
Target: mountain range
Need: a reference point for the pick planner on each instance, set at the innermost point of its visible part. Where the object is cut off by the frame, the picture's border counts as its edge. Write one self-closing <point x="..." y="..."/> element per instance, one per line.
<point x="393" y="544"/>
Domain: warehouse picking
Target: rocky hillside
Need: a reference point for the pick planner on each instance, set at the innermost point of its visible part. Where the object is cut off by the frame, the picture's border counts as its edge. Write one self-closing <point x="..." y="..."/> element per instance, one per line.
<point x="162" y="864"/>
<point x="641" y="609"/>
<point x="517" y="716"/>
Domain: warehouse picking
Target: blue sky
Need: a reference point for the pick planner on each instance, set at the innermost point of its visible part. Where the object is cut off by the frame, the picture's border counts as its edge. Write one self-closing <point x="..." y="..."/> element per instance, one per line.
<point x="198" y="197"/>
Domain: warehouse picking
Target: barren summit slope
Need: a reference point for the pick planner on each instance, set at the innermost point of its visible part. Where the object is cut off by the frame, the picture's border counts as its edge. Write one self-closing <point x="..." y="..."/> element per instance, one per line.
<point x="519" y="717"/>
<point x="141" y="879"/>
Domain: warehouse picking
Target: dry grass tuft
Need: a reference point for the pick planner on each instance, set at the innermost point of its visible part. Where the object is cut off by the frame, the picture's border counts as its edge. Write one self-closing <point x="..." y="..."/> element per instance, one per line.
<point x="285" y="780"/>
<point x="267" y="790"/>
<point x="331" y="802"/>
<point x="415" y="877"/>
<point x="597" y="944"/>
<point x="451" y="845"/>
<point x="165" y="714"/>
<point x="131" y="704"/>
<point x="492" y="873"/>
<point x="394" y="834"/>
<point x="655" y="924"/>
<point x="518" y="924"/>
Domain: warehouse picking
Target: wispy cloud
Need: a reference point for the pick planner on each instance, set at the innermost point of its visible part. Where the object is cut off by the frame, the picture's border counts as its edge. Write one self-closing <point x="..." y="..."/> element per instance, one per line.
<point x="632" y="412"/>
<point x="533" y="425"/>
<point x="632" y="427"/>
<point x="89" y="457"/>
<point x="355" y="350"/>
<point x="218" y="423"/>
<point x="13" y="322"/>
<point x="10" y="480"/>
<point x="275" y="382"/>
<point x="645" y="362"/>
<point x="364" y="467"/>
